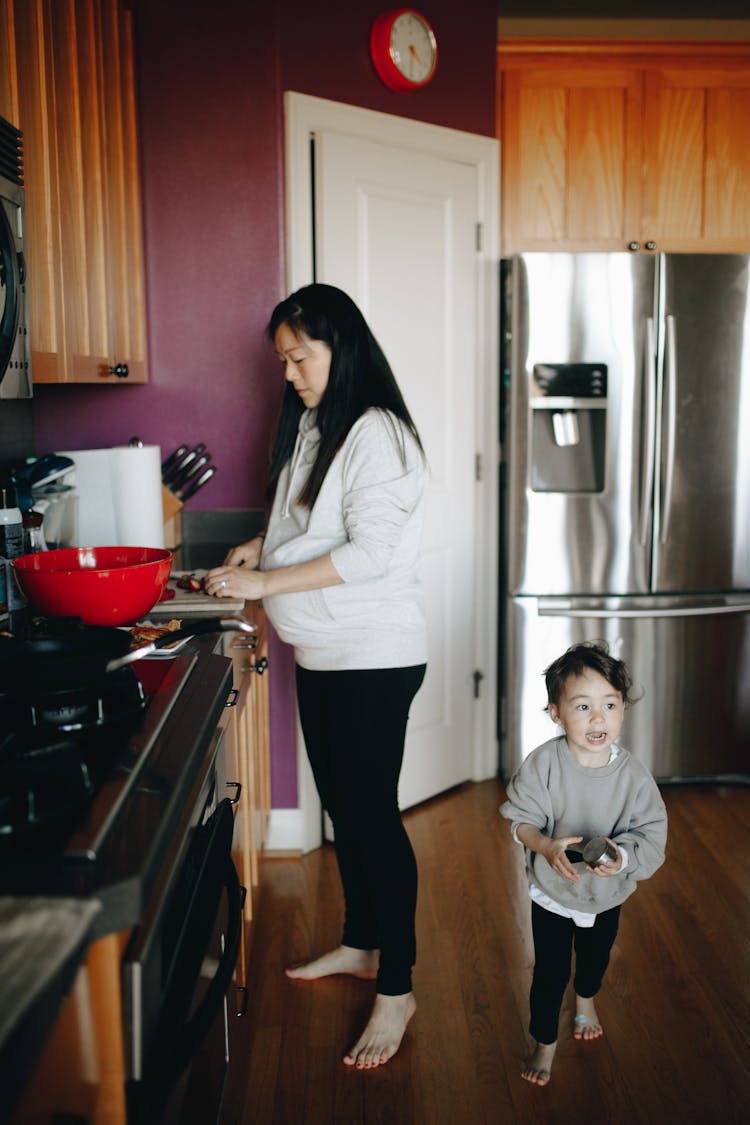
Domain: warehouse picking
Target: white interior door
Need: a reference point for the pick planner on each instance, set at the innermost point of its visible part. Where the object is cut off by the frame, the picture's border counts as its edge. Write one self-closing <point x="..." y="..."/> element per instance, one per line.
<point x="397" y="231"/>
<point x="405" y="220"/>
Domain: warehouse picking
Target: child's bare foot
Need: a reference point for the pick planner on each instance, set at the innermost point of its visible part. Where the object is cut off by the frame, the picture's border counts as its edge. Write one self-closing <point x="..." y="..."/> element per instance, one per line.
<point x="385" y="1029"/>
<point x="539" y="1067"/>
<point x="586" y="1022"/>
<point x="345" y="959"/>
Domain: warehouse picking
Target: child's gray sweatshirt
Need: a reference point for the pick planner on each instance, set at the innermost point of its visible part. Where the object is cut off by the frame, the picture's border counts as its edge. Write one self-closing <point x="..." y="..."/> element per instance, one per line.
<point x="553" y="792"/>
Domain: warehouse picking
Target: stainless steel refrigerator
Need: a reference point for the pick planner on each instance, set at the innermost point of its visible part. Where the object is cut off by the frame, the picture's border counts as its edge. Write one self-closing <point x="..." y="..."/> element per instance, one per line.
<point x="627" y="496"/>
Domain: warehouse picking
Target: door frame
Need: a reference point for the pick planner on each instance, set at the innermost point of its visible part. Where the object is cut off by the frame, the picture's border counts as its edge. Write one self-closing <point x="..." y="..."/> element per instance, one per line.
<point x="304" y="116"/>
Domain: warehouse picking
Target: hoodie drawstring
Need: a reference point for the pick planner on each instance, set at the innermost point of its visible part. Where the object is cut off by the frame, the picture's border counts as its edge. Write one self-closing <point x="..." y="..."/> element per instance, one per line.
<point x="299" y="446"/>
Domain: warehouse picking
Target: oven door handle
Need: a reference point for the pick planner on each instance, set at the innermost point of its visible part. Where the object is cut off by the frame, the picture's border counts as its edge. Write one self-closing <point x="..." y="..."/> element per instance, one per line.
<point x="190" y="1036"/>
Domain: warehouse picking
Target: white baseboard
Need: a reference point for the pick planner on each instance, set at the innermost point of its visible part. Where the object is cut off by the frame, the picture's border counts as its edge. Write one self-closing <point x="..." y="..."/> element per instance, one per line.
<point x="285" y="831"/>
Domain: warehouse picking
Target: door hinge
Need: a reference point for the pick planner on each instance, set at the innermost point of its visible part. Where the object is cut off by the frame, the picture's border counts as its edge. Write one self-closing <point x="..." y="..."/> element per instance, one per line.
<point x="477" y="677"/>
<point x="478" y="237"/>
<point x="478" y="468"/>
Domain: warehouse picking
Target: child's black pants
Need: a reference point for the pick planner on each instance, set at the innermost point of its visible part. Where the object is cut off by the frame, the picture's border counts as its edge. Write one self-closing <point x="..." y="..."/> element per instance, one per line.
<point x="554" y="938"/>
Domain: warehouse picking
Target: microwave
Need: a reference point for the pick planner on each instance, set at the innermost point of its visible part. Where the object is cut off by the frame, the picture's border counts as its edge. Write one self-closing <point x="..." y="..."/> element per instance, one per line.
<point x="15" y="347"/>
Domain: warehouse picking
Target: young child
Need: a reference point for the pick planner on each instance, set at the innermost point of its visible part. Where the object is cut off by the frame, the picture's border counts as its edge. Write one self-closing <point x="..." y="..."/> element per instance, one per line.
<point x="570" y="789"/>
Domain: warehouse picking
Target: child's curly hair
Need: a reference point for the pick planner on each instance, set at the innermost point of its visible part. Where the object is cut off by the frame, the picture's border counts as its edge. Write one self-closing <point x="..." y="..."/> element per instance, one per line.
<point x="588" y="654"/>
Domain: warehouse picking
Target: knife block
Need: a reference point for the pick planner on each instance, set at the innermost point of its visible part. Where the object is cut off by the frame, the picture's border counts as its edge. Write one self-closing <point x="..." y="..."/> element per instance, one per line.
<point x="171" y="508"/>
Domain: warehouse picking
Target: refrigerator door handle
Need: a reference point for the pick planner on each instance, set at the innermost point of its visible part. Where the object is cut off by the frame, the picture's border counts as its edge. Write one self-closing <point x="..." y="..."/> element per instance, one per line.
<point x="649" y="430"/>
<point x="670" y="366"/>
<point x="554" y="608"/>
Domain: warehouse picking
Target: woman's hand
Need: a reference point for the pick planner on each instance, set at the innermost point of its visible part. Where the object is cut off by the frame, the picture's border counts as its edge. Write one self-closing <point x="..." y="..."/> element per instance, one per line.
<point x="235" y="582"/>
<point x="247" y="554"/>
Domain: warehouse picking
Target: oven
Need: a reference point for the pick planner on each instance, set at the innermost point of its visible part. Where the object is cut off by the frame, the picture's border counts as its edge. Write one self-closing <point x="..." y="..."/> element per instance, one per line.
<point x="15" y="352"/>
<point x="179" y="965"/>
<point x="119" y="792"/>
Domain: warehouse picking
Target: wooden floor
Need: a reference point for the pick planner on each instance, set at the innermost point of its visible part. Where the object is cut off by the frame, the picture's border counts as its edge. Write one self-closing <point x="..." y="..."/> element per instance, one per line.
<point x="675" y="1004"/>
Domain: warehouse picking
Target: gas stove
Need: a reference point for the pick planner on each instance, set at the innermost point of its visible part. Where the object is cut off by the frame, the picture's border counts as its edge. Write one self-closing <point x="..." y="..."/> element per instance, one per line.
<point x="93" y="787"/>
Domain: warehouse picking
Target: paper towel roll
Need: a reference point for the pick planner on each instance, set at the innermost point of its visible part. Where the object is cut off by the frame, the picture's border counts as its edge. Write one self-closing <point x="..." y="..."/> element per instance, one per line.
<point x="136" y="491"/>
<point x="119" y="496"/>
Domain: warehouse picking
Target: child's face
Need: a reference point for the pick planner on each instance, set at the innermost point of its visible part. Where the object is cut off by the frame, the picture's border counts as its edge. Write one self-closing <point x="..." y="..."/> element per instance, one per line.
<point x="591" y="711"/>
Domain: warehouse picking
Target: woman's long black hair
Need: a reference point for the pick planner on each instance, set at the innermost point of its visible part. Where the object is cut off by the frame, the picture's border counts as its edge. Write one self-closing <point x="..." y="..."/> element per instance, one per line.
<point x="360" y="377"/>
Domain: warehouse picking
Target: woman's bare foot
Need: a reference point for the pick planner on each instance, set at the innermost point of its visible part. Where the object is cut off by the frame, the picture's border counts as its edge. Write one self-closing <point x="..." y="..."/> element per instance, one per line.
<point x="586" y="1022"/>
<point x="345" y="959"/>
<point x="539" y="1067"/>
<point x="385" y="1029"/>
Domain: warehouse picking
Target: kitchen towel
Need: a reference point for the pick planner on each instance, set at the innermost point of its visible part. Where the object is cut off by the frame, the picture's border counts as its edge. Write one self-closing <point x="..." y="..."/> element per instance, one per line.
<point x="119" y="496"/>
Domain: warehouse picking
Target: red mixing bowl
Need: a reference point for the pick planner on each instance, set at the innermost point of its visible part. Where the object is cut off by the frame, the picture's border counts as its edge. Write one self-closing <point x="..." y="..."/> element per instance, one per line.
<point x="101" y="585"/>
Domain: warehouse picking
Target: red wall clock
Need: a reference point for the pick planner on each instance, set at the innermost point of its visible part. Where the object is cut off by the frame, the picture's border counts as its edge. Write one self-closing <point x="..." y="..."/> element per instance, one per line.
<point x="403" y="48"/>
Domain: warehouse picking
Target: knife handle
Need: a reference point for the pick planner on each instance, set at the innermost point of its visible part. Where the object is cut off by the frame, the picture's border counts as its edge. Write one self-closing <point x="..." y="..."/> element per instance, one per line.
<point x="197" y="482"/>
<point x="188" y="472"/>
<point x="173" y="458"/>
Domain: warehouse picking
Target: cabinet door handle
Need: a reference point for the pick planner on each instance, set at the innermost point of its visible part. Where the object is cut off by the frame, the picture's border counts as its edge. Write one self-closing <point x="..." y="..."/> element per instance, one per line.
<point x="259" y="666"/>
<point x="634" y="246"/>
<point x="650" y="245"/>
<point x="233" y="697"/>
<point x="121" y="370"/>
<point x="237" y="786"/>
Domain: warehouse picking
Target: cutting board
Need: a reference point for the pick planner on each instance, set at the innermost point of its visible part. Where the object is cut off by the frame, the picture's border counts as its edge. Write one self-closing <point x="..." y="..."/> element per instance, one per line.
<point x="186" y="603"/>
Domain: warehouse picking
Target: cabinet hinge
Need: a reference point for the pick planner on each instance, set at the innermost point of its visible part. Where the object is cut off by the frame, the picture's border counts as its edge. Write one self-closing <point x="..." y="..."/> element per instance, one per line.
<point x="478" y="466"/>
<point x="478" y="237"/>
<point x="478" y="677"/>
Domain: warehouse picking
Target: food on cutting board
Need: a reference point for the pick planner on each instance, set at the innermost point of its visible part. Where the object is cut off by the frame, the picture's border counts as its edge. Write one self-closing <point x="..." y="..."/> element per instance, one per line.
<point x="145" y="633"/>
<point x="190" y="582"/>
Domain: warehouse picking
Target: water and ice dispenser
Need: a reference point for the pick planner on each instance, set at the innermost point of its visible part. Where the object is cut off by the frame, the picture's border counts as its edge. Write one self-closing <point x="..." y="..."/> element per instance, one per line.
<point x="568" y="420"/>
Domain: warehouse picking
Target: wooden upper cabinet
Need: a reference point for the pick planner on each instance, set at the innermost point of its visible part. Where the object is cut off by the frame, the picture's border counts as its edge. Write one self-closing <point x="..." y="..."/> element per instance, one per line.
<point x="608" y="147"/>
<point x="75" y="103"/>
<point x="570" y="139"/>
<point x="696" y="156"/>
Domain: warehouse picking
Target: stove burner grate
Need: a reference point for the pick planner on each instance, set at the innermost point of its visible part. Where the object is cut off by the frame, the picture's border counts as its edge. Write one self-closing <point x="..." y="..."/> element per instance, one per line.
<point x="118" y="697"/>
<point x="55" y="751"/>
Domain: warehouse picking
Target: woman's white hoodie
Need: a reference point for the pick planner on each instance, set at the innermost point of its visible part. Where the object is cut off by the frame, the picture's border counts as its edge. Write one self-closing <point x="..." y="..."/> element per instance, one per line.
<point x="368" y="515"/>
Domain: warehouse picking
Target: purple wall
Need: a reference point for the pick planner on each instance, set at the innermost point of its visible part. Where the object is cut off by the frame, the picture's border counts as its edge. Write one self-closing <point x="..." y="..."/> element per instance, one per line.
<point x="211" y="79"/>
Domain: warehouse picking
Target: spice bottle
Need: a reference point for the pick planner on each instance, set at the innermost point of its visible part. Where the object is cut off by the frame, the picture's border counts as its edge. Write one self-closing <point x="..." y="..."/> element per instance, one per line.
<point x="11" y="545"/>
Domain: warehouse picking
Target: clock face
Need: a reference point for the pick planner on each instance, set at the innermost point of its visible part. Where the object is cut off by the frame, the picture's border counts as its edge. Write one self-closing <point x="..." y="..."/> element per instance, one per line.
<point x="403" y="49"/>
<point x="413" y="48"/>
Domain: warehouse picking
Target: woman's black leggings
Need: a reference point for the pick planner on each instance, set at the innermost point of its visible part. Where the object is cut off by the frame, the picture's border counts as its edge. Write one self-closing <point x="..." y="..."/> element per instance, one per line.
<point x="354" y="723"/>
<point x="554" y="937"/>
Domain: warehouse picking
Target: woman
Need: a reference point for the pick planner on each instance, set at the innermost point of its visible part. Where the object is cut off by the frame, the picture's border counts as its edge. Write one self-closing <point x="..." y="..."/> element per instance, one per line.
<point x="337" y="572"/>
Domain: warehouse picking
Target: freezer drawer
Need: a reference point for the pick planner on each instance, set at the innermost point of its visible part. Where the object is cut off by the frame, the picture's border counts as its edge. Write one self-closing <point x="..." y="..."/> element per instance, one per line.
<point x="690" y="659"/>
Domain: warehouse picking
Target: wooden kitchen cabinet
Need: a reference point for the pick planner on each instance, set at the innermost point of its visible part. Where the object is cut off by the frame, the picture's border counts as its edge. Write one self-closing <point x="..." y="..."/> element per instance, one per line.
<point x="248" y="750"/>
<point x="80" y="1075"/>
<point x="70" y="88"/>
<point x="617" y="146"/>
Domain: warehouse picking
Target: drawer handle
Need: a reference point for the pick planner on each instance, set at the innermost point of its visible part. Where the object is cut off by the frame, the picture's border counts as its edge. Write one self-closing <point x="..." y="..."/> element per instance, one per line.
<point x="233" y="697"/>
<point x="259" y="666"/>
<point x="237" y="786"/>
